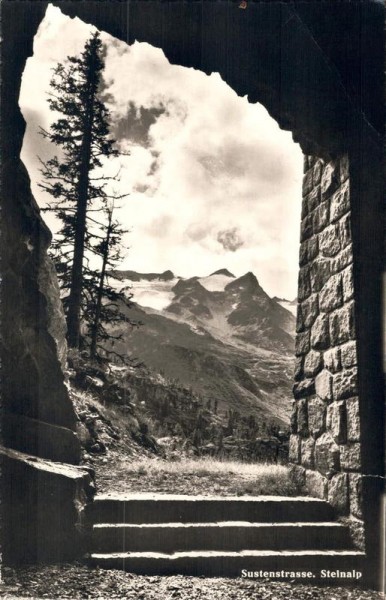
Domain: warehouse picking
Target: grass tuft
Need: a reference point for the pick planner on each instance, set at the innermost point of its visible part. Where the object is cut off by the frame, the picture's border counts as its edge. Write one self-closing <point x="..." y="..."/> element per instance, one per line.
<point x="206" y="476"/>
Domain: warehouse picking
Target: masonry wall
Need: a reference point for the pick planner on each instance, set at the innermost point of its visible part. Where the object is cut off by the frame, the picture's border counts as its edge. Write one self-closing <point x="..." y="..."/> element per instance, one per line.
<point x="325" y="440"/>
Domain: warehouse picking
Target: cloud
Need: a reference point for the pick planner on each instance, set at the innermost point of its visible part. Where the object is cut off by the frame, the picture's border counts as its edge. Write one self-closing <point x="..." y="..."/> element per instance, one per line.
<point x="230" y="239"/>
<point x="212" y="180"/>
<point x="136" y="124"/>
<point x="198" y="231"/>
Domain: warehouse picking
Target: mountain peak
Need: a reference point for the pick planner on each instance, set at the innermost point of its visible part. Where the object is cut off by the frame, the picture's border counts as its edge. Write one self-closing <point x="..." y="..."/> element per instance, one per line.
<point x="249" y="277"/>
<point x="247" y="283"/>
<point x="187" y="285"/>
<point x="167" y="275"/>
<point x="222" y="272"/>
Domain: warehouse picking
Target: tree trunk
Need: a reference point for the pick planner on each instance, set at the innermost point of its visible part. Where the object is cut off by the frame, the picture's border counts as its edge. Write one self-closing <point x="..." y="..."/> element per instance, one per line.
<point x="94" y="332"/>
<point x="75" y="297"/>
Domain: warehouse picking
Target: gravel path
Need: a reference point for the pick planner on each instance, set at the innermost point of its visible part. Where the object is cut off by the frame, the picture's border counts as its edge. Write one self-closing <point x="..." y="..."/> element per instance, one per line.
<point x="77" y="581"/>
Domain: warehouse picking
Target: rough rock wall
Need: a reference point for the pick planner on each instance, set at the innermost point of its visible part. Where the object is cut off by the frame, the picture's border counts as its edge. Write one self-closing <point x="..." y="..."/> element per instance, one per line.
<point x="33" y="328"/>
<point x="42" y="501"/>
<point x="325" y="440"/>
<point x="45" y="502"/>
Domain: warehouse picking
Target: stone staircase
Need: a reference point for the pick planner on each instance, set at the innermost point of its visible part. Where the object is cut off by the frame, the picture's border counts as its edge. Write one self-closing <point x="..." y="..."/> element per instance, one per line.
<point x="214" y="536"/>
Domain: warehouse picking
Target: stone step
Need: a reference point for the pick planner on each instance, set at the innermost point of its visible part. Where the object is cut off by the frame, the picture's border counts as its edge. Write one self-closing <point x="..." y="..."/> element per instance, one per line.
<point x="163" y="508"/>
<point x="232" y="564"/>
<point x="227" y="536"/>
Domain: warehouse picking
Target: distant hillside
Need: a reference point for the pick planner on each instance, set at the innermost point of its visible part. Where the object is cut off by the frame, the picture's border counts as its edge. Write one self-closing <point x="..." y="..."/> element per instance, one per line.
<point x="222" y="336"/>
<point x="134" y="276"/>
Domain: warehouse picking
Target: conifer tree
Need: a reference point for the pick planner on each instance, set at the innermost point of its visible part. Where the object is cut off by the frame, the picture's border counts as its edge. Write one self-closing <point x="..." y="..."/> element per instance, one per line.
<point x="81" y="199"/>
<point x="106" y="306"/>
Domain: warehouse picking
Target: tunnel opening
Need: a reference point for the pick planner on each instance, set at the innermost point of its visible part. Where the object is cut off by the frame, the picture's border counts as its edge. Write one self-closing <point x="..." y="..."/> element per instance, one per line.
<point x="347" y="124"/>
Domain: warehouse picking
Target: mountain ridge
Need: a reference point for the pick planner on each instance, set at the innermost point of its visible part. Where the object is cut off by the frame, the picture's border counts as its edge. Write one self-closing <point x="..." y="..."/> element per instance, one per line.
<point x="221" y="335"/>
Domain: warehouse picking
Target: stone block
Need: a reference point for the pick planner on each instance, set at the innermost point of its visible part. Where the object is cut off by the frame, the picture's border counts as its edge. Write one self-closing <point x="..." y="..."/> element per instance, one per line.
<point x="317" y="172"/>
<point x="306" y="228"/>
<point x="312" y="199"/>
<point x="294" y="449"/>
<point x="313" y="363"/>
<point x="329" y="242"/>
<point x="302" y="343"/>
<point x="331" y="295"/>
<point x="337" y="421"/>
<point x="330" y="180"/>
<point x="316" y="416"/>
<point x="319" y="274"/>
<point x="303" y="253"/>
<point x="342" y="324"/>
<point x="332" y="360"/>
<point x="344" y="258"/>
<point x="357" y="532"/>
<point x="338" y="494"/>
<point x="348" y="283"/>
<point x="307" y="453"/>
<point x="320" y="217"/>
<point x="304" y="211"/>
<point x="308" y="250"/>
<point x="353" y="420"/>
<point x="323" y="385"/>
<point x="345" y="231"/>
<point x="307" y="182"/>
<point x="294" y="419"/>
<point x="327" y="455"/>
<point x="302" y="417"/>
<point x="312" y="248"/>
<point x="307" y="313"/>
<point x="340" y="202"/>
<point x="356" y="494"/>
<point x="304" y="285"/>
<point x="304" y="389"/>
<point x="43" y="505"/>
<point x="298" y="477"/>
<point x="298" y="368"/>
<point x="345" y="384"/>
<point x="41" y="439"/>
<point x="320" y="338"/>
<point x="315" y="484"/>
<point x="349" y="354"/>
<point x="299" y="319"/>
<point x="350" y="457"/>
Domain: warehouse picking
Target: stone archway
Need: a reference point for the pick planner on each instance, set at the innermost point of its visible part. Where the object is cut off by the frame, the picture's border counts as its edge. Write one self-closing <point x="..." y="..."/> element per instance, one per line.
<point x="303" y="62"/>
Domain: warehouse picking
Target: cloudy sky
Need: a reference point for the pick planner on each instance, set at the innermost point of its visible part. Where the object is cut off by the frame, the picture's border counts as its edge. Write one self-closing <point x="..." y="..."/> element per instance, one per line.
<point x="212" y="180"/>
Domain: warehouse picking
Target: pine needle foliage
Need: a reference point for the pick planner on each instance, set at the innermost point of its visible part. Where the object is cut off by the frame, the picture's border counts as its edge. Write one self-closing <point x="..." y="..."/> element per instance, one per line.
<point x="89" y="242"/>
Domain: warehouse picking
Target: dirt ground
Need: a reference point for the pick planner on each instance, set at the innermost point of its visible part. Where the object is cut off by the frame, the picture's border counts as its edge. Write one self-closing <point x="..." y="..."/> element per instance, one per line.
<point x="77" y="581"/>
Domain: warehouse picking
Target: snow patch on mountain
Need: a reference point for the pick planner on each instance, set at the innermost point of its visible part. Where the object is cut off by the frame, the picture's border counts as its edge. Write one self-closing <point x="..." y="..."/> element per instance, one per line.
<point x="216" y="282"/>
<point x="155" y="293"/>
<point x="291" y="305"/>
